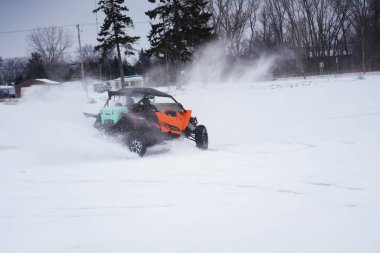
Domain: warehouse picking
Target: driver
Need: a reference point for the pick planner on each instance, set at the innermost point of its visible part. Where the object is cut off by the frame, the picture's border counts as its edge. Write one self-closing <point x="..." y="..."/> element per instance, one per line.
<point x="148" y="103"/>
<point x="151" y="99"/>
<point x="129" y="102"/>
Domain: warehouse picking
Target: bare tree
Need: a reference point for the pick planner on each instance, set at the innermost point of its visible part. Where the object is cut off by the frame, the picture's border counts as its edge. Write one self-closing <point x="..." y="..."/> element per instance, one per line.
<point x="265" y="24"/>
<point x="253" y="8"/>
<point x="217" y="8"/>
<point x="358" y="14"/>
<point x="276" y="13"/>
<point x="51" y="43"/>
<point x="91" y="60"/>
<point x="89" y="54"/>
<point x="319" y="23"/>
<point x="375" y="34"/>
<point x="341" y="8"/>
<point x="13" y="70"/>
<point x="296" y="30"/>
<point x="231" y="19"/>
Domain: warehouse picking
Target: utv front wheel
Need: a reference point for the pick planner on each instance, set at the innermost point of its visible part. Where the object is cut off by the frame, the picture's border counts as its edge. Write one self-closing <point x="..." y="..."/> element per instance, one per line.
<point x="201" y="137"/>
<point x="137" y="144"/>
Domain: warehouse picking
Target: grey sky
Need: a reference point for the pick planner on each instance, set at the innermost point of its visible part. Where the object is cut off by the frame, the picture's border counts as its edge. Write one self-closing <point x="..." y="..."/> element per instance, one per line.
<point x="19" y="15"/>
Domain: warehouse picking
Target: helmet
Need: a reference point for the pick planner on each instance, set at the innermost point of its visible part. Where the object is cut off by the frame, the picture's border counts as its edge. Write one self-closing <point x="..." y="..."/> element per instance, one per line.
<point x="151" y="99"/>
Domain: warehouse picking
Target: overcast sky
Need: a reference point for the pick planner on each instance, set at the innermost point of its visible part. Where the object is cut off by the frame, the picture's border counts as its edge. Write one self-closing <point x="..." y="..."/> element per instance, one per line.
<point x="19" y="15"/>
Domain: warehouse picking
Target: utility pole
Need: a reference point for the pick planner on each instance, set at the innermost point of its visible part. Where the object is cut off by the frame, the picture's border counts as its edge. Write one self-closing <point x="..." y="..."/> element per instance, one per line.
<point x="97" y="32"/>
<point x="81" y="60"/>
<point x="337" y="65"/>
<point x="363" y="52"/>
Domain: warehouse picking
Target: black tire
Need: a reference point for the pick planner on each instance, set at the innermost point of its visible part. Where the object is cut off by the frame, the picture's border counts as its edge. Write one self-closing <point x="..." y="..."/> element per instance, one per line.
<point x="137" y="144"/>
<point x="201" y="137"/>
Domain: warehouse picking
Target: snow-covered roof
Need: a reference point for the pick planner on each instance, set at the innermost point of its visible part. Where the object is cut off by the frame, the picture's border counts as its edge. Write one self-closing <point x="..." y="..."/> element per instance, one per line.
<point x="7" y="87"/>
<point x="47" y="81"/>
<point x="131" y="78"/>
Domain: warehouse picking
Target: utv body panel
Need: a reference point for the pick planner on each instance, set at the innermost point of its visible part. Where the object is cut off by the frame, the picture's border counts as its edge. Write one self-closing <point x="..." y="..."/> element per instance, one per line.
<point x="112" y="114"/>
<point x="175" y="122"/>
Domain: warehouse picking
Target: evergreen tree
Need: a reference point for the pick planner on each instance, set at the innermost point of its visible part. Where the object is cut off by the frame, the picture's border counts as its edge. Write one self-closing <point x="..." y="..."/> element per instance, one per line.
<point x="35" y="67"/>
<point x="19" y="79"/>
<point x="114" y="67"/>
<point x="112" y="33"/>
<point x="143" y="63"/>
<point x="128" y="69"/>
<point x="183" y="25"/>
<point x="144" y="58"/>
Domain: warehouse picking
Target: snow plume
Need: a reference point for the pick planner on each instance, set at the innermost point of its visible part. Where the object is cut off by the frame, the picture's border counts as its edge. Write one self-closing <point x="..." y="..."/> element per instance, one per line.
<point x="48" y="125"/>
<point x="212" y="64"/>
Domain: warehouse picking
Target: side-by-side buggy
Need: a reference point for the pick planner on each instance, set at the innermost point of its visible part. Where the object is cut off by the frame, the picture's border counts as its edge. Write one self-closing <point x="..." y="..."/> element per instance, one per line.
<point x="145" y="117"/>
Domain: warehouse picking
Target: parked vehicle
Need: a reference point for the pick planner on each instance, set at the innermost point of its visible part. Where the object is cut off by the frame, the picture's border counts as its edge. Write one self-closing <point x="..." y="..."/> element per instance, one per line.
<point x="7" y="92"/>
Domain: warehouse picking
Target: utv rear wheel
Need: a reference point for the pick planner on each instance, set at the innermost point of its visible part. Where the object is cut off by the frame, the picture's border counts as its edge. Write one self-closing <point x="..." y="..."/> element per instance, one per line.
<point x="201" y="137"/>
<point x="137" y="144"/>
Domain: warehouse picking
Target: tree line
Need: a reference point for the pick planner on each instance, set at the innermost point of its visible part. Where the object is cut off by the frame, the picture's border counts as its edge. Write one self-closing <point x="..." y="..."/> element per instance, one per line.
<point x="344" y="35"/>
<point x="309" y="36"/>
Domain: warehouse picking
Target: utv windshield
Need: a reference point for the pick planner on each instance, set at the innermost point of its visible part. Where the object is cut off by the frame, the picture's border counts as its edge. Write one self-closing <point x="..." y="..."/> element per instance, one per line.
<point x="166" y="103"/>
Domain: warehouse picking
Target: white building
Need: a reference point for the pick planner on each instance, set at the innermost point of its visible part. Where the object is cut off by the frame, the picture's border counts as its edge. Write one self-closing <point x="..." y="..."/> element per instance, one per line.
<point x="130" y="81"/>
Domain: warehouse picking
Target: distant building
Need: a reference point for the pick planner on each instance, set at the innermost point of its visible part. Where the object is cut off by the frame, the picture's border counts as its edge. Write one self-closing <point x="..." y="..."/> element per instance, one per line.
<point x="130" y="81"/>
<point x="28" y="83"/>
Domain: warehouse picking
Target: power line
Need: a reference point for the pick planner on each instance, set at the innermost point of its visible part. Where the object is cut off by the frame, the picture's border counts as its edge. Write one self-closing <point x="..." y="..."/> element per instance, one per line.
<point x="18" y="31"/>
<point x="29" y="30"/>
<point x="70" y="25"/>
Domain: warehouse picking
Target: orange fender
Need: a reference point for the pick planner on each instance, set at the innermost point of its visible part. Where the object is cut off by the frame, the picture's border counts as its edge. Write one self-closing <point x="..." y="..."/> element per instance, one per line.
<point x="175" y="124"/>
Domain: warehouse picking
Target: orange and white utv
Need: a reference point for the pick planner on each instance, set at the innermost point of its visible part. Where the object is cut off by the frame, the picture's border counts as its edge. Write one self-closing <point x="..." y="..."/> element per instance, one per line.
<point x="145" y="117"/>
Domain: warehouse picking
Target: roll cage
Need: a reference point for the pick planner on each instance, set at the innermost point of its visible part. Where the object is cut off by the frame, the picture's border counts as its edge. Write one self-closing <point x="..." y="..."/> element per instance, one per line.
<point x="144" y="93"/>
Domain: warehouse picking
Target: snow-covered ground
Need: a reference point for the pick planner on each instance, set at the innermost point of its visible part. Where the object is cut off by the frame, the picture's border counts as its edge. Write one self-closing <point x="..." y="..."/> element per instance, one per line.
<point x="293" y="166"/>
